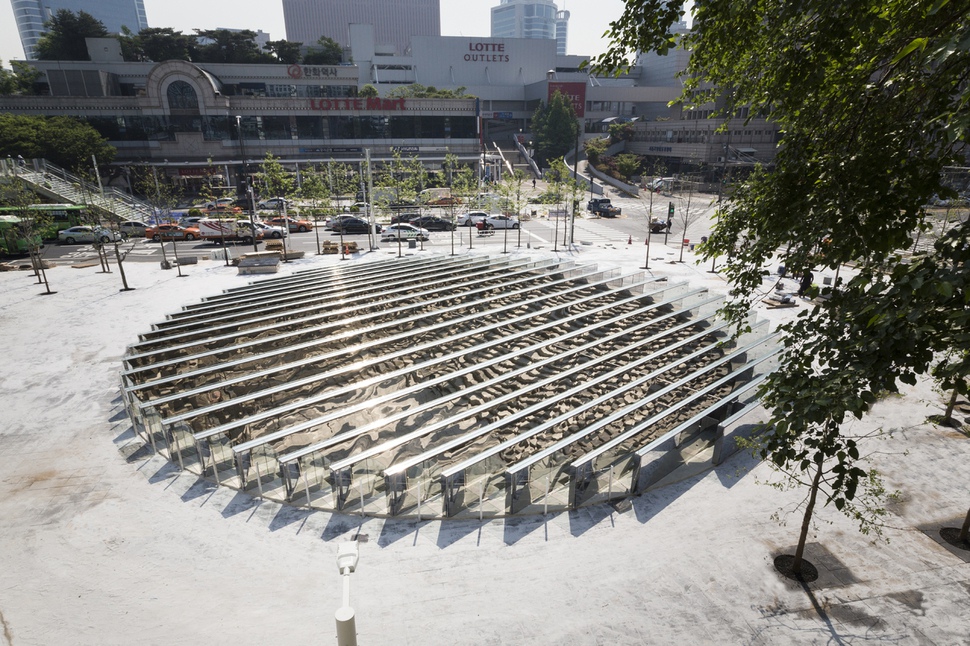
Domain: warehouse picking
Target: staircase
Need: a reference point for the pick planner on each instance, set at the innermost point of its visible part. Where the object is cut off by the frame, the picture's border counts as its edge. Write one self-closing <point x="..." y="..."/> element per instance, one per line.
<point x="57" y="184"/>
<point x="515" y="156"/>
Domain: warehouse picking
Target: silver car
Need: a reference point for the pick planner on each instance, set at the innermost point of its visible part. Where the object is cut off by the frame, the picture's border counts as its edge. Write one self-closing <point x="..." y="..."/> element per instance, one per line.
<point x="502" y="222"/>
<point x="133" y="228"/>
<point x="270" y="231"/>
<point x="404" y="232"/>
<point x="87" y="235"/>
<point x="471" y="219"/>
<point x="274" y="204"/>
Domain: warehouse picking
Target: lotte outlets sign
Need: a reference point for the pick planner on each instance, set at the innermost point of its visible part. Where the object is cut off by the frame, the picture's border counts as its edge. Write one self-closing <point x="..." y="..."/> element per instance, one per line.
<point x="575" y="92"/>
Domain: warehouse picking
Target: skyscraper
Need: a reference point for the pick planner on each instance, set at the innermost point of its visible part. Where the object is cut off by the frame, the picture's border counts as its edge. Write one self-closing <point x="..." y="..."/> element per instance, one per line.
<point x="394" y="21"/>
<point x="114" y="14"/>
<point x="530" y="19"/>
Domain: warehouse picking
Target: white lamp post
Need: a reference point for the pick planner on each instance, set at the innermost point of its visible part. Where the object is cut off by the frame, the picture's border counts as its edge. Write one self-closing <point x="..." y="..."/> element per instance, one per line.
<point x="347" y="556"/>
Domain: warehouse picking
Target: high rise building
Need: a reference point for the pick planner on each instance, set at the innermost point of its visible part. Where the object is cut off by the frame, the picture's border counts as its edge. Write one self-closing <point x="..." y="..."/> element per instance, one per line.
<point x="531" y="19"/>
<point x="114" y="14"/>
<point x="394" y="21"/>
<point x="562" y="30"/>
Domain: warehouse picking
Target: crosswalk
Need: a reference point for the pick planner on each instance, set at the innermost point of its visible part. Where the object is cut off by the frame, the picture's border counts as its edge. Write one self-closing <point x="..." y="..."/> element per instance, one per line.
<point x="594" y="232"/>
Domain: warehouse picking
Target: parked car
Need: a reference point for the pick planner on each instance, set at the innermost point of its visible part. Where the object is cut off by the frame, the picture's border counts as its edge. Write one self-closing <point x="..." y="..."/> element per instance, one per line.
<point x="446" y="200"/>
<point x="172" y="232"/>
<point x="88" y="235"/>
<point x="433" y="223"/>
<point x="404" y="232"/>
<point x="355" y="225"/>
<point x="133" y="228"/>
<point x="270" y="231"/>
<point x="502" y="221"/>
<point x="294" y="225"/>
<point x="274" y="204"/>
<point x="223" y="208"/>
<point x="471" y="218"/>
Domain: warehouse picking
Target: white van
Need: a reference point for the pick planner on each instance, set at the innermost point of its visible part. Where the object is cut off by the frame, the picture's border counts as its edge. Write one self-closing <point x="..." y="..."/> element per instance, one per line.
<point x="215" y="230"/>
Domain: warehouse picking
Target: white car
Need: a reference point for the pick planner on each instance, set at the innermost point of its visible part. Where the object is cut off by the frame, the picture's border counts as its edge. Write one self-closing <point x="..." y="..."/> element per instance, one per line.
<point x="274" y="204"/>
<point x="87" y="235"/>
<point x="502" y="222"/>
<point x="133" y="228"/>
<point x="404" y="232"/>
<point x="471" y="219"/>
<point x="191" y="220"/>
<point x="271" y="231"/>
<point x="222" y="201"/>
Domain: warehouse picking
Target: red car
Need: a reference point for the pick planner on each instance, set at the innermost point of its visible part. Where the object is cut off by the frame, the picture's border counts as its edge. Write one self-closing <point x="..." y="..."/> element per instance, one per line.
<point x="294" y="225"/>
<point x="223" y="208"/>
<point x="444" y="201"/>
<point x="171" y="232"/>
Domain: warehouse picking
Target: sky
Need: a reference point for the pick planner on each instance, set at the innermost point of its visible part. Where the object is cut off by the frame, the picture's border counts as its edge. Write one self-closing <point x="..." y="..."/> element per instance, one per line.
<point x="589" y="20"/>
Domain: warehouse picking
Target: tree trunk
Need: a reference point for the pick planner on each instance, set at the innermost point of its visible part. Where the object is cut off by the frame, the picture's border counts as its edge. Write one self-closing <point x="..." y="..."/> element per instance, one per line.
<point x="35" y="263"/>
<point x="965" y="531"/>
<point x="121" y="269"/>
<point x="796" y="567"/>
<point x="948" y="415"/>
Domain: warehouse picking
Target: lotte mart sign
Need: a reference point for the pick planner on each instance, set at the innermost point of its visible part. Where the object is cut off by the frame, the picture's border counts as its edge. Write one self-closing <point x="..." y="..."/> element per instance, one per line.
<point x="575" y="92"/>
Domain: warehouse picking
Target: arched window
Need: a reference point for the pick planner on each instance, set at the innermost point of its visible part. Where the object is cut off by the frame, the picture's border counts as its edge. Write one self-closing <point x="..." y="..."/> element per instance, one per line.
<point x="182" y="96"/>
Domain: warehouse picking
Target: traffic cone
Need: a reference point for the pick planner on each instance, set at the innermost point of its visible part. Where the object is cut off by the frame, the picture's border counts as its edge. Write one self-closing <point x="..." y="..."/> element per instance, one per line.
<point x="630" y="240"/>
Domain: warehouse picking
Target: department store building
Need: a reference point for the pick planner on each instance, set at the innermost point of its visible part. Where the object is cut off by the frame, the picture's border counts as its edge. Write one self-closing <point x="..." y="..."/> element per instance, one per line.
<point x="195" y="120"/>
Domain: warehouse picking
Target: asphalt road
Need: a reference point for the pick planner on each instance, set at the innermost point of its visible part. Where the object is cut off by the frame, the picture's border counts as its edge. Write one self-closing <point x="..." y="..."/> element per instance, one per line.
<point x="692" y="220"/>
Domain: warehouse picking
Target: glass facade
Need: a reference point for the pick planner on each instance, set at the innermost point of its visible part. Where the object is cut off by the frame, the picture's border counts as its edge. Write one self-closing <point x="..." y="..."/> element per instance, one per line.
<point x="220" y="128"/>
<point x="114" y="14"/>
<point x="530" y="19"/>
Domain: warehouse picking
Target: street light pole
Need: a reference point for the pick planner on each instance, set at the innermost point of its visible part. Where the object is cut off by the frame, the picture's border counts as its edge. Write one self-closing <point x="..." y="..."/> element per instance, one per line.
<point x="646" y="260"/>
<point x="161" y="240"/>
<point x="575" y="190"/>
<point x="249" y="185"/>
<point x="348" y="554"/>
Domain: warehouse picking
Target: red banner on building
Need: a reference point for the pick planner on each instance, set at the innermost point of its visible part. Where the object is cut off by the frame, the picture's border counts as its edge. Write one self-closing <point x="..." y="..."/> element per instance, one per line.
<point x="576" y="92"/>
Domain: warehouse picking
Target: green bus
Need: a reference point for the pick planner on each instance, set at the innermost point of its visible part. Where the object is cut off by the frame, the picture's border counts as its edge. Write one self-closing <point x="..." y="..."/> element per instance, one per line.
<point x="55" y="217"/>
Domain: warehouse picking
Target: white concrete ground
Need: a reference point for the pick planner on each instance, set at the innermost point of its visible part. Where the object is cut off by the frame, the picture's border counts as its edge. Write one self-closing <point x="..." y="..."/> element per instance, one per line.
<point x="101" y="544"/>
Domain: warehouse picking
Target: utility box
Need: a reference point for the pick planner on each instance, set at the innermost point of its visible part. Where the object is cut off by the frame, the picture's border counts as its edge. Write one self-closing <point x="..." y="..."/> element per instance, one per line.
<point x="261" y="262"/>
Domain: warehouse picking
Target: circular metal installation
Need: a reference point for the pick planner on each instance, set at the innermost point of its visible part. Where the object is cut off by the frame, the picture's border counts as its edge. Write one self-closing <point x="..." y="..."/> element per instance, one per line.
<point x="443" y="386"/>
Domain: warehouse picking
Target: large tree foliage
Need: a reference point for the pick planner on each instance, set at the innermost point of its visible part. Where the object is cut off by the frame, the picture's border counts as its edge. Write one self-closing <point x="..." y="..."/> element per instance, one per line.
<point x="277" y="181"/>
<point x="64" y="38"/>
<point x="871" y="98"/>
<point x="418" y="91"/>
<point x="221" y="46"/>
<point x="158" y="44"/>
<point x="405" y="177"/>
<point x="554" y="128"/>
<point x="327" y="51"/>
<point x="19" y="80"/>
<point x="65" y="141"/>
<point x="225" y="46"/>
<point x="284" y="51"/>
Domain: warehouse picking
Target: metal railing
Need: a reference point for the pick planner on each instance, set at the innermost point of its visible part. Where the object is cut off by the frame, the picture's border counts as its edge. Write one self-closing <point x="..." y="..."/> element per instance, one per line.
<point x="58" y="184"/>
